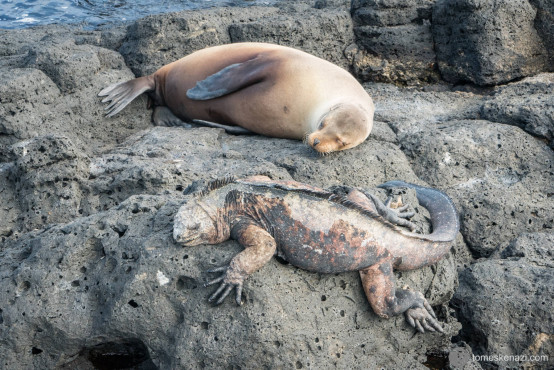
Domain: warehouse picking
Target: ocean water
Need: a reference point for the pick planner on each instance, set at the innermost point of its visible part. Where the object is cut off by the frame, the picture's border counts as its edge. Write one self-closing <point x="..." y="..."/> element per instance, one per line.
<point x="92" y="13"/>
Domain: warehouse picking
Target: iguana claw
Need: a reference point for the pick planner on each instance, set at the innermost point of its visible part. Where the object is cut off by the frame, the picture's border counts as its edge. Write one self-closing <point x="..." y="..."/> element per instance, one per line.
<point x="423" y="318"/>
<point x="396" y="216"/>
<point x="225" y="288"/>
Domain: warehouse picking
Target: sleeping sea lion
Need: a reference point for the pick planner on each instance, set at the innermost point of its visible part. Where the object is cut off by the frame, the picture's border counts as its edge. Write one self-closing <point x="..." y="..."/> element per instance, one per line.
<point x="267" y="89"/>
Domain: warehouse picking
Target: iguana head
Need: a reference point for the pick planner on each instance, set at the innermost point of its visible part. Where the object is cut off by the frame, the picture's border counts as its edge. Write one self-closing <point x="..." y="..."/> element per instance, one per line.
<point x="197" y="223"/>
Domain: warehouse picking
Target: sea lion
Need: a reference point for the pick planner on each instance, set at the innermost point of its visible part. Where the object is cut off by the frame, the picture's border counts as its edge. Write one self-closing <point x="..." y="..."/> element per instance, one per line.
<point x="267" y="89"/>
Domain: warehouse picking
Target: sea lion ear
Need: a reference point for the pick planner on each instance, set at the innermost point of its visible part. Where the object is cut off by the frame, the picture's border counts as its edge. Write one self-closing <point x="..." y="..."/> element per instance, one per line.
<point x="232" y="78"/>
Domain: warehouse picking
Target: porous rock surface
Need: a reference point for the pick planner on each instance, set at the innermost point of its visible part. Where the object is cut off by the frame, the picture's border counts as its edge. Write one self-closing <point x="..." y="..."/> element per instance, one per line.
<point x="395" y="42"/>
<point x="499" y="297"/>
<point x="160" y="39"/>
<point x="90" y="274"/>
<point x="528" y="104"/>
<point x="487" y="42"/>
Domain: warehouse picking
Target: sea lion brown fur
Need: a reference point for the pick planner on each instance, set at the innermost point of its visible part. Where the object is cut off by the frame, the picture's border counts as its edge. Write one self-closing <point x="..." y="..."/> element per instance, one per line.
<point x="267" y="89"/>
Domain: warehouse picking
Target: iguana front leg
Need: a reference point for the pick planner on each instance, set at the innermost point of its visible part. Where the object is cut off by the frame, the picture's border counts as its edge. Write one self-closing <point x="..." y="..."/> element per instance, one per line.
<point x="379" y="286"/>
<point x="259" y="247"/>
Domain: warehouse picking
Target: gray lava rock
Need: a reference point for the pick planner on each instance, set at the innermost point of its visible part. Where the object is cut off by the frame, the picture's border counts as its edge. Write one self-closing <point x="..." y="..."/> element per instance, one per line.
<point x="9" y="209"/>
<point x="89" y="271"/>
<point x="391" y="12"/>
<point x="306" y="31"/>
<point x="48" y="174"/>
<point x="27" y="96"/>
<point x="460" y="357"/>
<point x="108" y="37"/>
<point x="394" y="40"/>
<point x="158" y="40"/>
<point x="118" y="276"/>
<point x="534" y="248"/>
<point x="544" y="23"/>
<point x="301" y="5"/>
<point x="408" y="110"/>
<point x="19" y="42"/>
<point x="502" y="177"/>
<point x="168" y="160"/>
<point x="341" y="4"/>
<point x="528" y="104"/>
<point x="68" y="65"/>
<point x="117" y="268"/>
<point x="506" y="305"/>
<point x="496" y="42"/>
<point x="52" y="87"/>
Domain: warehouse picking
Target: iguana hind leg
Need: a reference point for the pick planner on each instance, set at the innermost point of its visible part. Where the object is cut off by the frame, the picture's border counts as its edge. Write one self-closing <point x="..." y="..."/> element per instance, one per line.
<point x="372" y="204"/>
<point x="379" y="286"/>
<point x="396" y="216"/>
<point x="259" y="247"/>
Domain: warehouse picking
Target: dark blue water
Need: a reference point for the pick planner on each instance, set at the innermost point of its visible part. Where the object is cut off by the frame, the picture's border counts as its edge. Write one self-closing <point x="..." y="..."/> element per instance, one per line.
<point x="28" y="13"/>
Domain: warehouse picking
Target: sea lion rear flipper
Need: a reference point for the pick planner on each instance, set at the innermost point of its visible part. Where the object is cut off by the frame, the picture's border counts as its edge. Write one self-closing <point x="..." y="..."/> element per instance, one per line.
<point x="122" y="93"/>
<point x="231" y="78"/>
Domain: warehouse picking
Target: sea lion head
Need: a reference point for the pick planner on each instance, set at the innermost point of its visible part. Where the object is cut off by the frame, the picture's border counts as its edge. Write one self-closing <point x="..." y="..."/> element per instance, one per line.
<point x="196" y="223"/>
<point x="343" y="127"/>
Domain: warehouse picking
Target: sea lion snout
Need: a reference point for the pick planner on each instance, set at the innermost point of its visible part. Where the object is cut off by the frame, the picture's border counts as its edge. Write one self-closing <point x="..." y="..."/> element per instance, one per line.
<point x="342" y="127"/>
<point x="323" y="143"/>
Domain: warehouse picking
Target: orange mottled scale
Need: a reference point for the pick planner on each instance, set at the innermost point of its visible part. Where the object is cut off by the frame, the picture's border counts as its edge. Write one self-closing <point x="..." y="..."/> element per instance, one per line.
<point x="305" y="235"/>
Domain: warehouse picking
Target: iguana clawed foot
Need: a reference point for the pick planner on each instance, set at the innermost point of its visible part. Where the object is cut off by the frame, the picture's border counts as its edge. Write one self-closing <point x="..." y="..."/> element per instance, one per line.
<point x="396" y="216"/>
<point x="229" y="280"/>
<point x="396" y="213"/>
<point x="423" y="317"/>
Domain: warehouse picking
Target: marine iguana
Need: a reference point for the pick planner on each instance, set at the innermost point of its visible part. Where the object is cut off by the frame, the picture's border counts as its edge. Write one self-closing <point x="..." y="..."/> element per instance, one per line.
<point x="322" y="231"/>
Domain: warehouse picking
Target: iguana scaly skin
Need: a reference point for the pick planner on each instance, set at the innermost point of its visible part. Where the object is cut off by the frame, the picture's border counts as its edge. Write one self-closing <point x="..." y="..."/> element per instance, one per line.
<point x="323" y="231"/>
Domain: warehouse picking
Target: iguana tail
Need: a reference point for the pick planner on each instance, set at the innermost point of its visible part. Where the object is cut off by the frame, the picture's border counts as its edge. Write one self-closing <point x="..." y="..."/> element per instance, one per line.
<point x="424" y="249"/>
<point x="444" y="217"/>
<point x="120" y="94"/>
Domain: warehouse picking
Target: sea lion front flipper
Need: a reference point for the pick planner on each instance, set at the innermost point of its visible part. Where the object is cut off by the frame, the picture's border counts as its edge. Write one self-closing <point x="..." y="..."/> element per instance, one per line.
<point x="232" y="130"/>
<point x="232" y="78"/>
<point x="122" y="93"/>
<point x="163" y="116"/>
